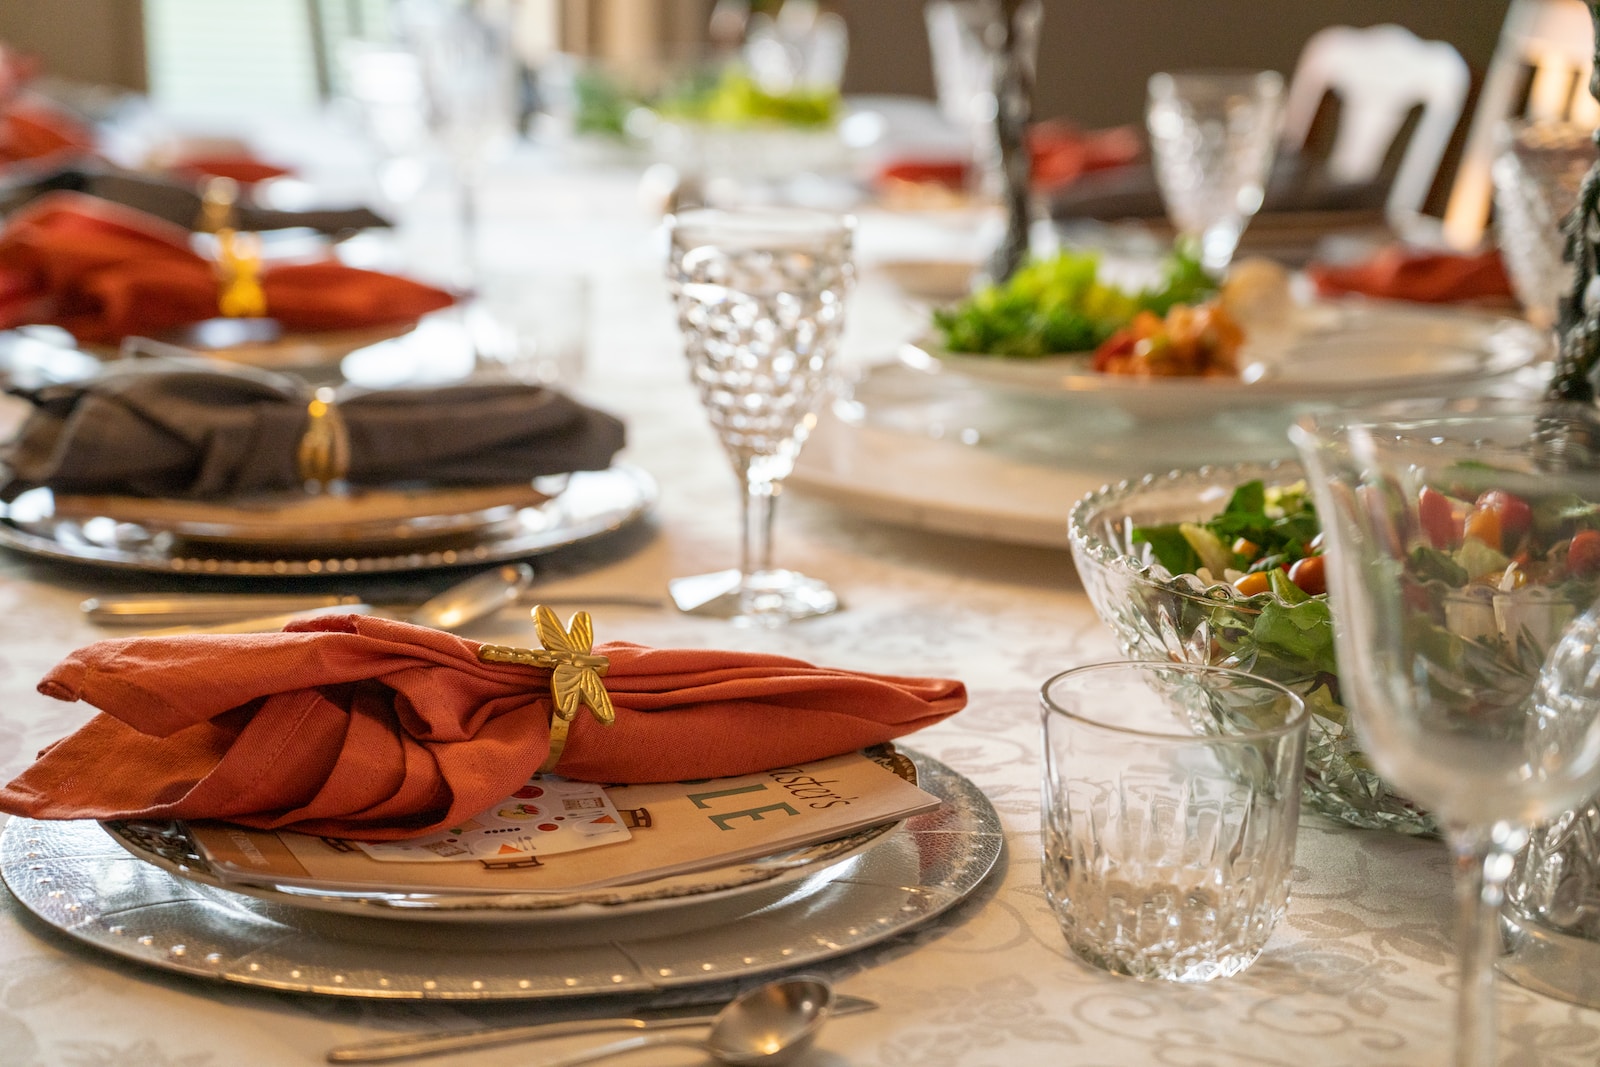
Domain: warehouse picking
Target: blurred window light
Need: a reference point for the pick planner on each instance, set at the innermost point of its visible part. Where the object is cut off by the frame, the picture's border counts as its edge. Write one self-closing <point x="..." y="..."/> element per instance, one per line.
<point x="231" y="56"/>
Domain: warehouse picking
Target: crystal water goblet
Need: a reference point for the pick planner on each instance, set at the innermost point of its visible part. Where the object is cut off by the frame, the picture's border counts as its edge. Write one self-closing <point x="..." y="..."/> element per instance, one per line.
<point x="760" y="298"/>
<point x="1212" y="139"/>
<point x="1461" y="574"/>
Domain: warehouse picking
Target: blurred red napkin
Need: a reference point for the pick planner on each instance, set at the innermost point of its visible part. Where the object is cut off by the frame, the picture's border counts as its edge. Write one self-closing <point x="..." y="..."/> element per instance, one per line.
<point x="244" y="169"/>
<point x="1399" y="273"/>
<point x="1060" y="152"/>
<point x="104" y="271"/>
<point x="31" y="131"/>
<point x="362" y="727"/>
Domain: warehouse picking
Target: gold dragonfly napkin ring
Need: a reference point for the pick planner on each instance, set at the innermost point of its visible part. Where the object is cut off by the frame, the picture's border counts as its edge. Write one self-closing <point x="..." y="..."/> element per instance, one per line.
<point x="575" y="673"/>
<point x="323" y="455"/>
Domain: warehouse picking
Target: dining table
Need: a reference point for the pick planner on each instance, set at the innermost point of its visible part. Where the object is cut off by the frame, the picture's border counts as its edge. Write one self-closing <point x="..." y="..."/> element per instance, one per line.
<point x="1359" y="973"/>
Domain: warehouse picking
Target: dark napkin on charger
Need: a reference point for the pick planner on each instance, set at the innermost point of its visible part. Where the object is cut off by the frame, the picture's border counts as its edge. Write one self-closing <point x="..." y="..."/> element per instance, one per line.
<point x="175" y="202"/>
<point x="197" y="430"/>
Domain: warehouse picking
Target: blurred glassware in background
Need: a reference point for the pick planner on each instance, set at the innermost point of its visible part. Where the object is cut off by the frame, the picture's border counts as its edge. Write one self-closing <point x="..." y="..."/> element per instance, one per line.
<point x="533" y="324"/>
<point x="469" y="76"/>
<point x="382" y="81"/>
<point x="1213" y="135"/>
<point x="965" y="38"/>
<point x="1537" y="171"/>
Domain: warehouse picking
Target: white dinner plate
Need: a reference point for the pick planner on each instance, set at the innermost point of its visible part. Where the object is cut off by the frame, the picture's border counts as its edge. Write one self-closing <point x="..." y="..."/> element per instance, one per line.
<point x="1333" y="351"/>
<point x="169" y="846"/>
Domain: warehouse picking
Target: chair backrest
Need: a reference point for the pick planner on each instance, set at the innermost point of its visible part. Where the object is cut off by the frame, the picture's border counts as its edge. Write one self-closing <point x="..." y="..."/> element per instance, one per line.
<point x="1555" y="40"/>
<point x="1379" y="75"/>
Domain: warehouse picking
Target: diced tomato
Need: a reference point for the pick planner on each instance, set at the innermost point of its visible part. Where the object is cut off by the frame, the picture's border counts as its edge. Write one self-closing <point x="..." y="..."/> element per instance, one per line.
<point x="1583" y="555"/>
<point x="1310" y="574"/>
<point x="1253" y="583"/>
<point x="1515" y="517"/>
<point x="1438" y="517"/>
<point x="1484" y="525"/>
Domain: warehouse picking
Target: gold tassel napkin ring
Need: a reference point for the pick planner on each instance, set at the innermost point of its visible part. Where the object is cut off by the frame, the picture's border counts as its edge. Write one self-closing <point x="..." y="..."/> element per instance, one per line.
<point x="323" y="455"/>
<point x="575" y="673"/>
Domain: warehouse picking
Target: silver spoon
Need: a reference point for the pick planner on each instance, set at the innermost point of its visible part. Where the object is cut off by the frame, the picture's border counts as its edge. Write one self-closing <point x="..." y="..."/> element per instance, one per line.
<point x="478" y="596"/>
<point x="770" y="1024"/>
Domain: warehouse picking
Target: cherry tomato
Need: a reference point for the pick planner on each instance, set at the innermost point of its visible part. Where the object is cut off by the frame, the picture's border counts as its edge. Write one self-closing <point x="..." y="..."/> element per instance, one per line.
<point x="1252" y="583"/>
<point x="1515" y="516"/>
<point x="1583" y="555"/>
<point x="1438" y="517"/>
<point x="1311" y="575"/>
<point x="1246" y="548"/>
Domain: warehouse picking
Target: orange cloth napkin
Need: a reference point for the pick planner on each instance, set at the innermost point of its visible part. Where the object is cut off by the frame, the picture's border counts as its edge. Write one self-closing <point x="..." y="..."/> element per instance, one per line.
<point x="33" y="131"/>
<point x="357" y="726"/>
<point x="1060" y="152"/>
<point x="104" y="271"/>
<point x="246" y="170"/>
<point x="1399" y="273"/>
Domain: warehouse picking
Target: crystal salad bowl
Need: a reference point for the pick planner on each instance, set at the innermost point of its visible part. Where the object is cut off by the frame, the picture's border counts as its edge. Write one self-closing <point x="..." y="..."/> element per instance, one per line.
<point x="1279" y="634"/>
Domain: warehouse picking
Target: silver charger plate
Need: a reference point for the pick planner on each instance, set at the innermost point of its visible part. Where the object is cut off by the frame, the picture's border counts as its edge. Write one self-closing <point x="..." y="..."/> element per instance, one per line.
<point x="593" y="503"/>
<point x="78" y="880"/>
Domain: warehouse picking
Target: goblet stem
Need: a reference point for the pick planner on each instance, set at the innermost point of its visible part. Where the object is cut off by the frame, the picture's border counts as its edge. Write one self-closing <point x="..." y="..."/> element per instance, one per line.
<point x="760" y="508"/>
<point x="1483" y="861"/>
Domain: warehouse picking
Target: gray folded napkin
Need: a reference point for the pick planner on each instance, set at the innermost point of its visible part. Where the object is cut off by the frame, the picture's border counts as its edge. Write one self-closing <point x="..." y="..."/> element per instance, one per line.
<point x="192" y="430"/>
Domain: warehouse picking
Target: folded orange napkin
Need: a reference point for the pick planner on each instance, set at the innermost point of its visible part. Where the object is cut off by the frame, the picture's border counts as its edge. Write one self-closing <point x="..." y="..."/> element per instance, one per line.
<point x="1059" y="151"/>
<point x="31" y="131"/>
<point x="246" y="170"/>
<point x="1399" y="273"/>
<point x="356" y="726"/>
<point x="104" y="271"/>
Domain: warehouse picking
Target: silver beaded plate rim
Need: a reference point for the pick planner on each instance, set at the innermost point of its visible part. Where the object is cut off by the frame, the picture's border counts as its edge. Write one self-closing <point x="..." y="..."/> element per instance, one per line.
<point x="593" y="503"/>
<point x="76" y="879"/>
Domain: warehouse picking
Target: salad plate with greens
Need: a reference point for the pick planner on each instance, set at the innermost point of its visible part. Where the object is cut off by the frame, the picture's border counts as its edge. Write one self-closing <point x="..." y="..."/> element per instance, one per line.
<point x="1052" y="329"/>
<point x="1223" y="565"/>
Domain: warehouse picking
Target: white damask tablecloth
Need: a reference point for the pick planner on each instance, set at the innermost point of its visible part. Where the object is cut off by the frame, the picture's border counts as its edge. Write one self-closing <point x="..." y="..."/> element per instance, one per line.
<point x="1359" y="973"/>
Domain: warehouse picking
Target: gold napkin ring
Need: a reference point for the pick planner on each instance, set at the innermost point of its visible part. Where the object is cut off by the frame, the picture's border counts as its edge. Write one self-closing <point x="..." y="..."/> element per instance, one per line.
<point x="575" y="673"/>
<point x="323" y="455"/>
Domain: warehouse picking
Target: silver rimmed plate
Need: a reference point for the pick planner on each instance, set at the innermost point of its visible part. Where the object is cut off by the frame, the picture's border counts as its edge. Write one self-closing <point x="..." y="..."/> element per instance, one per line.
<point x="77" y="879"/>
<point x="1335" y="351"/>
<point x="169" y="846"/>
<point x="592" y="503"/>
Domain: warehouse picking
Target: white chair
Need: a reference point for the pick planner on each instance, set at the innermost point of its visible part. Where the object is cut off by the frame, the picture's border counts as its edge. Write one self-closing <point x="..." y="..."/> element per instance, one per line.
<point x="1555" y="40"/>
<point x="1379" y="75"/>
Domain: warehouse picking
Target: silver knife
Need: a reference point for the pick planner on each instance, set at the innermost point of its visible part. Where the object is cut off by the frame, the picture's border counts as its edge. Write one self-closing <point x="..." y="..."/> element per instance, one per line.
<point x="399" y="1048"/>
<point x="141" y="609"/>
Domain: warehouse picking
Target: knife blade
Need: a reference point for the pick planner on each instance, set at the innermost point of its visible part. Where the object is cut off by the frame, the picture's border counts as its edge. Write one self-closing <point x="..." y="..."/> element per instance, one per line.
<point x="141" y="609"/>
<point x="415" y="1045"/>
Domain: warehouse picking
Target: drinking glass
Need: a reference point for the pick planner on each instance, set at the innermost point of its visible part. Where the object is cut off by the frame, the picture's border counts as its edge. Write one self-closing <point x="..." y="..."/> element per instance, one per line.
<point x="760" y="299"/>
<point x="1460" y="582"/>
<point x="1171" y="798"/>
<point x="1212" y="139"/>
<point x="469" y="76"/>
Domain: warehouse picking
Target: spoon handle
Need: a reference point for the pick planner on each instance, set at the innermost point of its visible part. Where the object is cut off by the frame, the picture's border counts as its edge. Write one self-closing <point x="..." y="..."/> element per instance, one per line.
<point x="627" y="1044"/>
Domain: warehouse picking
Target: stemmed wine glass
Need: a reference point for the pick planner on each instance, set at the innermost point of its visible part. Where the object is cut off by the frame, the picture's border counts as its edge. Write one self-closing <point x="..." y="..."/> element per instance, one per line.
<point x="1212" y="139"/>
<point x="469" y="77"/>
<point x="760" y="299"/>
<point x="1461" y="574"/>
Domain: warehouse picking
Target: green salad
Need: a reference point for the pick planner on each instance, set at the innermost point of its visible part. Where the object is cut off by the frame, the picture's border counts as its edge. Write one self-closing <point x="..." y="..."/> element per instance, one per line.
<point x="733" y="98"/>
<point x="1266" y="539"/>
<point x="1057" y="305"/>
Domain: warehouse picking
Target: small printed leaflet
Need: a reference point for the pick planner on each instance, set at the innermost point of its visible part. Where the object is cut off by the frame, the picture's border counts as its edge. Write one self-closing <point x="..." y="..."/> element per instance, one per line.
<point x="544" y="817"/>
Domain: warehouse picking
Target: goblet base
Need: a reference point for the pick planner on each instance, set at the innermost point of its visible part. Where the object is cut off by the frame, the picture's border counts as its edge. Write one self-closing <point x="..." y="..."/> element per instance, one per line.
<point x="765" y="598"/>
<point x="1549" y="961"/>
